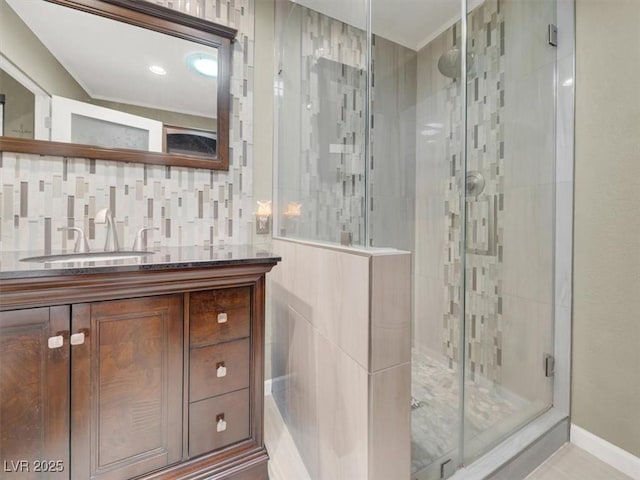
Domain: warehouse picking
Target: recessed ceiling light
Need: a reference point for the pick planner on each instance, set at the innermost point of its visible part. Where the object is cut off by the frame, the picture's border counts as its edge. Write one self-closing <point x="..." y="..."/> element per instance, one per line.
<point x="157" y="69"/>
<point x="204" y="64"/>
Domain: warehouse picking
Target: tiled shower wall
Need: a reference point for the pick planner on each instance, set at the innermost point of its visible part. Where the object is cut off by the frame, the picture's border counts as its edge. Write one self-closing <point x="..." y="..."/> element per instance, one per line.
<point x="188" y="206"/>
<point x="440" y="168"/>
<point x="485" y="155"/>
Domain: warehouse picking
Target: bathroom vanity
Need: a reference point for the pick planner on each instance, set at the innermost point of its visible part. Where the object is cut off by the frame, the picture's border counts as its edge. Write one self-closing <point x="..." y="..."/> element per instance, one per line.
<point x="146" y="368"/>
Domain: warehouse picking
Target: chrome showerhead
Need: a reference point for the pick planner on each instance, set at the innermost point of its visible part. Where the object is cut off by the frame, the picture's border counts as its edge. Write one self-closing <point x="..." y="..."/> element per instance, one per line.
<point x="450" y="63"/>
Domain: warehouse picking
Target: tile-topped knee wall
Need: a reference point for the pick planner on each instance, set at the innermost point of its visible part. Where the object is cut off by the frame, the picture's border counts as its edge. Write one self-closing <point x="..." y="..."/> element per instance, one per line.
<point x="38" y="194"/>
<point x="340" y="358"/>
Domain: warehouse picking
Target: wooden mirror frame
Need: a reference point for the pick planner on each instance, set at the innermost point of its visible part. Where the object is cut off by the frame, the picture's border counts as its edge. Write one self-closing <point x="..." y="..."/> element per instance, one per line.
<point x="164" y="20"/>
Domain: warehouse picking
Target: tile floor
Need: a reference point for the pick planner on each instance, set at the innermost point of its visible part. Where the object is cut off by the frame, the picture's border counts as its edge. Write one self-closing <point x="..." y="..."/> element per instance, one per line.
<point x="573" y="463"/>
<point x="490" y="412"/>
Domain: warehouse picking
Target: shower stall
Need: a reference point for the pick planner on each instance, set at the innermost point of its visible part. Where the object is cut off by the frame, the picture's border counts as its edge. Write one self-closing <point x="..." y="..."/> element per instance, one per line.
<point x="444" y="128"/>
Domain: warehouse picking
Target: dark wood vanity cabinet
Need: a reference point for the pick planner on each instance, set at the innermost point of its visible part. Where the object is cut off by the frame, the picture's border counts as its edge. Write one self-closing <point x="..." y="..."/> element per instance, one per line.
<point x="151" y="387"/>
<point x="219" y="356"/>
<point x="126" y="395"/>
<point x="34" y="388"/>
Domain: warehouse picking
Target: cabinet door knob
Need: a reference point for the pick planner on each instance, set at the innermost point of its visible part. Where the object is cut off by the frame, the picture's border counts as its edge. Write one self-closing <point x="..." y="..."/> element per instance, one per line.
<point x="221" y="424"/>
<point x="55" y="342"/>
<point x="221" y="370"/>
<point x="77" y="338"/>
<point x="222" y="318"/>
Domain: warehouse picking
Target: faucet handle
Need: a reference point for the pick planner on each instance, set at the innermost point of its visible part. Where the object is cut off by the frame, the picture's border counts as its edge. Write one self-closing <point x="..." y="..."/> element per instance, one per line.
<point x="140" y="243"/>
<point x="81" y="245"/>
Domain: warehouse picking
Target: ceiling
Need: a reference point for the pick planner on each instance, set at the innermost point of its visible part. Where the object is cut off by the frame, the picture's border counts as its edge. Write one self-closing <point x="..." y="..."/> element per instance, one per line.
<point x="411" y="23"/>
<point x="111" y="60"/>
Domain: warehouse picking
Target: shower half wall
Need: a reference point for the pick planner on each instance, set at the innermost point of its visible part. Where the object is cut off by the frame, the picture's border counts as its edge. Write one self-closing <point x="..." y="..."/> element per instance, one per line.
<point x="341" y="358"/>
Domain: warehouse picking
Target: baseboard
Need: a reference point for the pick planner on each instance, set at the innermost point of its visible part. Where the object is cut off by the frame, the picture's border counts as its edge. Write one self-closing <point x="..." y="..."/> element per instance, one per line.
<point x="615" y="456"/>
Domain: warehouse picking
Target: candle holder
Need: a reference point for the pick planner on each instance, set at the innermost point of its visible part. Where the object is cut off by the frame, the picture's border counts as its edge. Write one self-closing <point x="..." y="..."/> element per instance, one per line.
<point x="263" y="217"/>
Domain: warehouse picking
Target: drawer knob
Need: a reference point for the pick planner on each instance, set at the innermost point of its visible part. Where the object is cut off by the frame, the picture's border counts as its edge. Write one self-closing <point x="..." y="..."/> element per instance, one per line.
<point x="221" y="424"/>
<point x="222" y="318"/>
<point x="77" y="338"/>
<point x="55" y="342"/>
<point x="221" y="370"/>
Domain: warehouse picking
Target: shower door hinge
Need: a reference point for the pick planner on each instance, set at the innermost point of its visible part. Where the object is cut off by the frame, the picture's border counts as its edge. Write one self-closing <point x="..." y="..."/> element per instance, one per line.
<point x="549" y="365"/>
<point x="552" y="35"/>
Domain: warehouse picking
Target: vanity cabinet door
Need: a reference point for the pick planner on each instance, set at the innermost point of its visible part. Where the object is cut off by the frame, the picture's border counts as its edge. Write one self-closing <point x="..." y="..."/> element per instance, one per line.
<point x="126" y="405"/>
<point x="34" y="393"/>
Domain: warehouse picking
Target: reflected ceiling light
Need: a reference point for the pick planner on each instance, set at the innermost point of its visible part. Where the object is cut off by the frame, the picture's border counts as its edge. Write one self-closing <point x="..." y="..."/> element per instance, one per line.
<point x="429" y="132"/>
<point x="568" y="82"/>
<point x="204" y="64"/>
<point x="157" y="69"/>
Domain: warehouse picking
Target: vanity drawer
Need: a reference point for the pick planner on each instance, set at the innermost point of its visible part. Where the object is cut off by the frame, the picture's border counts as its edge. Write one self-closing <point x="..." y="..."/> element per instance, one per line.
<point x="205" y="419"/>
<point x="219" y="315"/>
<point x="218" y="369"/>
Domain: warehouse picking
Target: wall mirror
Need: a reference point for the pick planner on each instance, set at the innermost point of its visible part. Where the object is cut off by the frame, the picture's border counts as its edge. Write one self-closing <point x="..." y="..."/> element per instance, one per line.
<point x="114" y="80"/>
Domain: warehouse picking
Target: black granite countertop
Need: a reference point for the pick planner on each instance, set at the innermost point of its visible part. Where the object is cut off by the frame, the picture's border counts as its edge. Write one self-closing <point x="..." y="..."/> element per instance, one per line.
<point x="164" y="258"/>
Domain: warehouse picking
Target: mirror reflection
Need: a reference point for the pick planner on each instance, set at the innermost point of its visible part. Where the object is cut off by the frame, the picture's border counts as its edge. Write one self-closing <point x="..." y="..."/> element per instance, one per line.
<point x="71" y="76"/>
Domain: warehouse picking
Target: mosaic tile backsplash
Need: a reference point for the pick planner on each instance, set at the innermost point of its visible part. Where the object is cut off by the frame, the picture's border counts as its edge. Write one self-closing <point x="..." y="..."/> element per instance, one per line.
<point x="188" y="206"/>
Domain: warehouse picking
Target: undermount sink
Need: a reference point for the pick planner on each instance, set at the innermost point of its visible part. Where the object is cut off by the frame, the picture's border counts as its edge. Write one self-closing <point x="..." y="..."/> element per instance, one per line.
<point x="87" y="257"/>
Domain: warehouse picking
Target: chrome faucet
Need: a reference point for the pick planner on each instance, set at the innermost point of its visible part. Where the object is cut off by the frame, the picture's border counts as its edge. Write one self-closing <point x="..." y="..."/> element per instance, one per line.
<point x="140" y="242"/>
<point x="105" y="216"/>
<point x="81" y="245"/>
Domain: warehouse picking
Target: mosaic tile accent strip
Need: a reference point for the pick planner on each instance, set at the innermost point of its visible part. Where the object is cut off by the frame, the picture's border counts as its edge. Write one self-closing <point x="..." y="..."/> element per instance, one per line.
<point x="331" y="186"/>
<point x="38" y="194"/>
<point x="485" y="154"/>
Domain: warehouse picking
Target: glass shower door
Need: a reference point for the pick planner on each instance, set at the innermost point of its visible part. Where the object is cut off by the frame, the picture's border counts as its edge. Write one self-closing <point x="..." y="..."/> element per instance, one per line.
<point x="416" y="166"/>
<point x="437" y="213"/>
<point x="510" y="158"/>
<point x="321" y="100"/>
